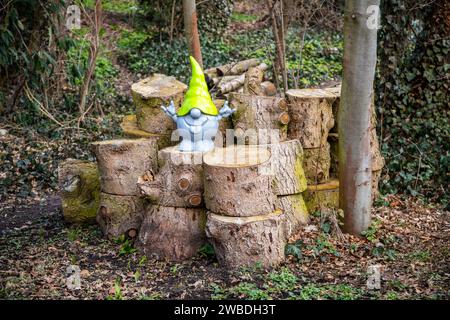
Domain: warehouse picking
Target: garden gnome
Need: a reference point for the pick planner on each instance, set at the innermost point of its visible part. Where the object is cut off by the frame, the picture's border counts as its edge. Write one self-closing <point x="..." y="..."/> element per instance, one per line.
<point x="198" y="119"/>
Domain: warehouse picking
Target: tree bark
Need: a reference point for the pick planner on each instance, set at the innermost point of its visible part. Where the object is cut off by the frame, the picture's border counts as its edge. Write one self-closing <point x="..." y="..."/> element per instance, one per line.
<point x="253" y="80"/>
<point x="236" y="83"/>
<point x="236" y="68"/>
<point x="122" y="162"/>
<point x="295" y="212"/>
<point x="191" y="30"/>
<point x="238" y="181"/>
<point x="148" y="96"/>
<point x="320" y="196"/>
<point x="311" y="116"/>
<point x="287" y="167"/>
<point x="268" y="89"/>
<point x="179" y="181"/>
<point x="316" y="163"/>
<point x="173" y="234"/>
<point x="79" y="186"/>
<point x="360" y="53"/>
<point x="246" y="241"/>
<point x="259" y="116"/>
<point x="131" y="130"/>
<point x="120" y="215"/>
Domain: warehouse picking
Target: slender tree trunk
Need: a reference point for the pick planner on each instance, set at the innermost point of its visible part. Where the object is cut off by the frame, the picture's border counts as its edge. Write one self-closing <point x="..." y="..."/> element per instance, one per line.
<point x="360" y="47"/>
<point x="191" y="30"/>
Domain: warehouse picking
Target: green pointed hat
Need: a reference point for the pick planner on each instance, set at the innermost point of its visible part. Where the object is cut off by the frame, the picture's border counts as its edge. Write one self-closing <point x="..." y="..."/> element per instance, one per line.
<point x="197" y="95"/>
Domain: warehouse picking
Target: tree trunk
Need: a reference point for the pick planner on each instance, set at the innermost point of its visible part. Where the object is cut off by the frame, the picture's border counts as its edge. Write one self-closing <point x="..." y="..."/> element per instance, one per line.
<point x="320" y="196"/>
<point x="179" y="181"/>
<point x="287" y="167"/>
<point x="120" y="215"/>
<point x="246" y="241"/>
<point x="295" y="212"/>
<point x="360" y="53"/>
<point x="311" y="116"/>
<point x="122" y="162"/>
<point x="191" y="30"/>
<point x="130" y="129"/>
<point x="238" y="180"/>
<point x="259" y="116"/>
<point x="316" y="164"/>
<point x="148" y="96"/>
<point x="173" y="234"/>
<point x="79" y="186"/>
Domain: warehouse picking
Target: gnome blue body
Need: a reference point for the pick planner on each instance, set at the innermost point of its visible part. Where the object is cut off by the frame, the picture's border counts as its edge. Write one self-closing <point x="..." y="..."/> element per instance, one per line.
<point x="197" y="129"/>
<point x="198" y="119"/>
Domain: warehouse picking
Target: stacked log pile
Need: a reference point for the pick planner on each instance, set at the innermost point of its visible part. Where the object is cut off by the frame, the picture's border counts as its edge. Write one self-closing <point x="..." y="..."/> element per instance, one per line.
<point x="120" y="163"/>
<point x="243" y="224"/>
<point x="377" y="158"/>
<point x="173" y="227"/>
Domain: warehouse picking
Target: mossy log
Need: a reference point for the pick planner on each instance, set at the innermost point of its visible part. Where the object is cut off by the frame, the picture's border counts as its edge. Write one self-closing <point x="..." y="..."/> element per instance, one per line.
<point x="257" y="118"/>
<point x="130" y="129"/>
<point x="121" y="162"/>
<point x="320" y="196"/>
<point x="295" y="212"/>
<point x="238" y="180"/>
<point x="178" y="182"/>
<point x="120" y="215"/>
<point x="173" y="234"/>
<point x="79" y="186"/>
<point x="316" y="163"/>
<point x="311" y="116"/>
<point x="148" y="96"/>
<point x="247" y="241"/>
<point x="287" y="167"/>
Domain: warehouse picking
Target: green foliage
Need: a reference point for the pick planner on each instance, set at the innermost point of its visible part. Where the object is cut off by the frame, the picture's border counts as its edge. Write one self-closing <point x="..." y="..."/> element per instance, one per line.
<point x="412" y="98"/>
<point x="371" y="232"/>
<point x="333" y="292"/>
<point x="249" y="291"/>
<point x="117" y="291"/>
<point x="116" y="6"/>
<point x="241" y="17"/>
<point x="126" y="246"/>
<point x="282" y="281"/>
<point x="207" y="251"/>
<point x="294" y="249"/>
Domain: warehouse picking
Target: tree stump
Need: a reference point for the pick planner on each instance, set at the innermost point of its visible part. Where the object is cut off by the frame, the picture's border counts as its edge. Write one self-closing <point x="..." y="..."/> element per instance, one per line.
<point x="311" y="116"/>
<point x="257" y="115"/>
<point x="79" y="186"/>
<point x="122" y="162"/>
<point x="376" y="175"/>
<point x="148" y="96"/>
<point x="336" y="91"/>
<point x="287" y="167"/>
<point x="179" y="181"/>
<point x="246" y="241"/>
<point x="316" y="163"/>
<point x="120" y="215"/>
<point x="238" y="180"/>
<point x="323" y="195"/>
<point x="295" y="212"/>
<point x="130" y="129"/>
<point x="173" y="234"/>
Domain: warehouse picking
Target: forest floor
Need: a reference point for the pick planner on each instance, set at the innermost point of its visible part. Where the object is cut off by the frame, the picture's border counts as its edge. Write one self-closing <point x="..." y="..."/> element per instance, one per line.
<point x="407" y="240"/>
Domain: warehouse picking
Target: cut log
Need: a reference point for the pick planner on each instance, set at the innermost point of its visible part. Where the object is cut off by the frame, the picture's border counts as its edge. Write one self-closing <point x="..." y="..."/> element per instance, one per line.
<point x="120" y="215"/>
<point x="311" y="116"/>
<point x="295" y="212"/>
<point x="179" y="181"/>
<point x="236" y="68"/>
<point x="316" y="163"/>
<point x="253" y="80"/>
<point x="321" y="196"/>
<point x="148" y="96"/>
<point x="130" y="129"/>
<point x="336" y="91"/>
<point x="287" y="167"/>
<point x="237" y="181"/>
<point x="79" y="186"/>
<point x="224" y="79"/>
<point x="235" y="84"/>
<point x="244" y="242"/>
<point x="122" y="162"/>
<point x="258" y="117"/>
<point x="173" y="234"/>
<point x="268" y="88"/>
